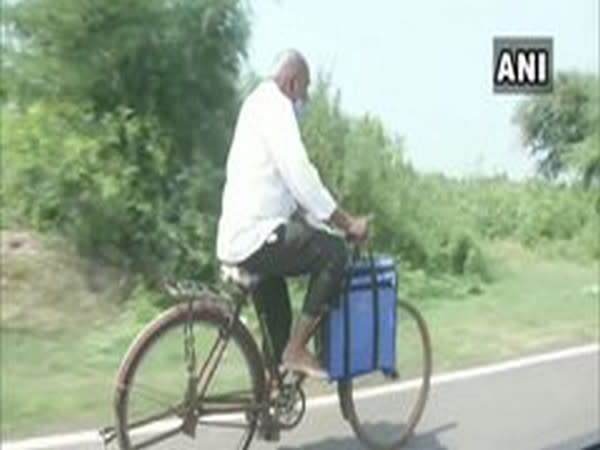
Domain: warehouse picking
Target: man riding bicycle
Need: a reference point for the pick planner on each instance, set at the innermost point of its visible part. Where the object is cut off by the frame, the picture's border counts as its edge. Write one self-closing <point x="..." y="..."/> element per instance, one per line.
<point x="272" y="203"/>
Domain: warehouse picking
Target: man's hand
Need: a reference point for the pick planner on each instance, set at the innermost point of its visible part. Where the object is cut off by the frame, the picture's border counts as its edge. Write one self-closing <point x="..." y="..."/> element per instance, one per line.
<point x="358" y="230"/>
<point x="355" y="227"/>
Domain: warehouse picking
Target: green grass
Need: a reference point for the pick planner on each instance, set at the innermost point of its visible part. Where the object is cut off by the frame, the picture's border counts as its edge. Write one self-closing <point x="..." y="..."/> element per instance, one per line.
<point x="62" y="376"/>
<point x="533" y="306"/>
<point x="53" y="379"/>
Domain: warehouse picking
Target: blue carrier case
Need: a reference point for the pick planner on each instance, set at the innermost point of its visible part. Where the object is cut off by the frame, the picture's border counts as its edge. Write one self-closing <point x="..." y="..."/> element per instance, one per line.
<point x="359" y="336"/>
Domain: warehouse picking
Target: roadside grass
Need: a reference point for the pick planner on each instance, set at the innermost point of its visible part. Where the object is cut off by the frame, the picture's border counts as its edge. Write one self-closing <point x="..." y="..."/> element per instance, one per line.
<point x="534" y="305"/>
<point x="61" y="376"/>
<point x="52" y="379"/>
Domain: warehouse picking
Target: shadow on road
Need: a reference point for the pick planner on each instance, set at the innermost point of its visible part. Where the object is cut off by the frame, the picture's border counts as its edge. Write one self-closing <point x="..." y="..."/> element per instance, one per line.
<point x="589" y="441"/>
<point x="421" y="441"/>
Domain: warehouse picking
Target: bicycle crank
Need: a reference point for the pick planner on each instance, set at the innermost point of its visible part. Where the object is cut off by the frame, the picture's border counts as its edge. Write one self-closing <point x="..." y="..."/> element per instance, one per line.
<point x="289" y="406"/>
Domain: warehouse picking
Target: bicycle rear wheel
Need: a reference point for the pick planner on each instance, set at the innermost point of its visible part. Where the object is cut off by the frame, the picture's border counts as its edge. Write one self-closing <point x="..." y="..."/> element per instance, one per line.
<point x="150" y="398"/>
<point x="388" y="424"/>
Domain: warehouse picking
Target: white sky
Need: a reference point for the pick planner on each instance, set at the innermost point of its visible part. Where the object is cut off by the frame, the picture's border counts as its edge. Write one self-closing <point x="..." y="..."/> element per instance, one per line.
<point x="425" y="67"/>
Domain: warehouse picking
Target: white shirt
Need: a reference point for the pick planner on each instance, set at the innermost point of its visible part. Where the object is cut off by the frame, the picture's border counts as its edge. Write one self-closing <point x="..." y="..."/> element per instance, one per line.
<point x="268" y="176"/>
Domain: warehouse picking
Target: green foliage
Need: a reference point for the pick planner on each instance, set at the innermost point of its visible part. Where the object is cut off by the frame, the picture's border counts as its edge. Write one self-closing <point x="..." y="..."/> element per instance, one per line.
<point x="175" y="60"/>
<point x="477" y="265"/>
<point x="562" y="128"/>
<point x="118" y="117"/>
<point x="119" y="114"/>
<point x="433" y="222"/>
<point x="325" y="129"/>
<point x="101" y="182"/>
<point x="555" y="216"/>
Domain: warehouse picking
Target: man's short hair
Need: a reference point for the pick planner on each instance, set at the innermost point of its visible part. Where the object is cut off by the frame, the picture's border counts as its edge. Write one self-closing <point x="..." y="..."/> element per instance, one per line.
<point x="289" y="56"/>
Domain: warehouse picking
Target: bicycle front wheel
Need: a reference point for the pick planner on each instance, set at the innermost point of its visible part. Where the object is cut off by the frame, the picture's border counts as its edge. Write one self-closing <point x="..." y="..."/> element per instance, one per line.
<point x="389" y="423"/>
<point x="153" y="405"/>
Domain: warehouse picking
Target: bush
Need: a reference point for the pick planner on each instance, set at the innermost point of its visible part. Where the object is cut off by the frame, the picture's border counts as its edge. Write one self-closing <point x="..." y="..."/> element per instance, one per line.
<point x="433" y="222"/>
<point x="118" y="117"/>
<point x="107" y="185"/>
<point x="478" y="265"/>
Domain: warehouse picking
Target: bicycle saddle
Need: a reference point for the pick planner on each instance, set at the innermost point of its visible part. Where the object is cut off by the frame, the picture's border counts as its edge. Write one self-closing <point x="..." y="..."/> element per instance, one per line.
<point x="239" y="276"/>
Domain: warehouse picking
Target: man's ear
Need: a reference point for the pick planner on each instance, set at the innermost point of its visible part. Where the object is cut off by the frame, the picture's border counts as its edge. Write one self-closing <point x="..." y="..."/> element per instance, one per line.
<point x="294" y="87"/>
<point x="288" y="88"/>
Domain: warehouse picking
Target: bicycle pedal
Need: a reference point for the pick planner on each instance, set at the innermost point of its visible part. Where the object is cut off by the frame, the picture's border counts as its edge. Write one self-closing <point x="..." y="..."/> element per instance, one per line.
<point x="293" y="377"/>
<point x="269" y="431"/>
<point x="271" y="435"/>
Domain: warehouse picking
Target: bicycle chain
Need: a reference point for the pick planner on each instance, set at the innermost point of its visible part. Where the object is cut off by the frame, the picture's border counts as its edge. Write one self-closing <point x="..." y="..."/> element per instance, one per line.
<point x="189" y="340"/>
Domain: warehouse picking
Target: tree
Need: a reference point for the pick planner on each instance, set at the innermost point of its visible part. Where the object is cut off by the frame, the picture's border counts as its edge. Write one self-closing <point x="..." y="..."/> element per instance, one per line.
<point x="159" y="79"/>
<point x="562" y="129"/>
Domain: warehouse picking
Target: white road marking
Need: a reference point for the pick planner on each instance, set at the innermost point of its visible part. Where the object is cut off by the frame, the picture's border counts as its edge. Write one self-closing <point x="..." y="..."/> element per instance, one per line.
<point x="466" y="374"/>
<point x="86" y="437"/>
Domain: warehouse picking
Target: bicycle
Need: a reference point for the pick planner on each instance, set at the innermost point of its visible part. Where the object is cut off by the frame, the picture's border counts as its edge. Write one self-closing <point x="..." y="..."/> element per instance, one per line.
<point x="251" y="393"/>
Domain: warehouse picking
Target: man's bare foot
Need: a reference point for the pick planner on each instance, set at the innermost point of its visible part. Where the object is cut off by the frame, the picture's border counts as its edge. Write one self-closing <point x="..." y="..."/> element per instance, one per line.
<point x="300" y="360"/>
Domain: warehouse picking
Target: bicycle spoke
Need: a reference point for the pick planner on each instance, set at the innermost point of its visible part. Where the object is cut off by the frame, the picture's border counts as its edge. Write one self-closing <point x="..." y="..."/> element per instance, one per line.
<point x="221" y="386"/>
<point x="213" y="349"/>
<point x="213" y="369"/>
<point x="153" y="418"/>
<point x="242" y="395"/>
<point x="151" y="393"/>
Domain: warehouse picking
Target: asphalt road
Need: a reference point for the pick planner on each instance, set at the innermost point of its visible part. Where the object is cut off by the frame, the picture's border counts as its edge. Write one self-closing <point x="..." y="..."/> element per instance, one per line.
<point x="551" y="405"/>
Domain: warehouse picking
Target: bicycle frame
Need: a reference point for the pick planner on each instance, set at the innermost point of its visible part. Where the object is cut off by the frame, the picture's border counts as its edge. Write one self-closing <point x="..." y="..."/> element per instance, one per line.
<point x="199" y="381"/>
<point x="194" y="404"/>
<point x="282" y="411"/>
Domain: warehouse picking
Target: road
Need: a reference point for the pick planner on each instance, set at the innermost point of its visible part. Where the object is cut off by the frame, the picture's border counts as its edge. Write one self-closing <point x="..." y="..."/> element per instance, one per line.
<point x="550" y="403"/>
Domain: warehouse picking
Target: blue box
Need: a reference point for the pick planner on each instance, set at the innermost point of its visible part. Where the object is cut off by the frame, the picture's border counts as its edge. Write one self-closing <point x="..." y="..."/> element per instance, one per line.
<point x="359" y="336"/>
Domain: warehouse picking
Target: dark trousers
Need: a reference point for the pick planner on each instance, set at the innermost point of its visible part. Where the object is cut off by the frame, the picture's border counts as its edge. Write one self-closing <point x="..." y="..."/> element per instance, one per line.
<point x="297" y="250"/>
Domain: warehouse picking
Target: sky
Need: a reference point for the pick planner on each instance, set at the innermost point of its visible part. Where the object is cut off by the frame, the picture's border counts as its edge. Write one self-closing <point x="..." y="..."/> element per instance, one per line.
<point x="425" y="67"/>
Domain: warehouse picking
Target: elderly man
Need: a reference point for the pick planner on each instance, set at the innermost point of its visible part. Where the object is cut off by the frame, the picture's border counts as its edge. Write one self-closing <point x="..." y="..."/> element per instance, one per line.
<point x="270" y="182"/>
